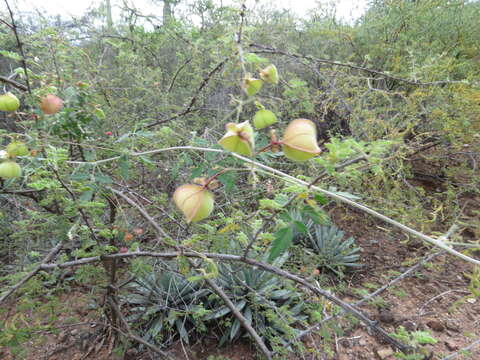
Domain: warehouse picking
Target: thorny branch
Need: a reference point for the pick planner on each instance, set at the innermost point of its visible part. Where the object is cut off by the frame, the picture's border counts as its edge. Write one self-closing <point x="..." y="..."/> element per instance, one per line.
<point x="14" y="28"/>
<point x="194" y="99"/>
<point x="267" y="169"/>
<point x="373" y="294"/>
<point x="131" y="335"/>
<point x="13" y="83"/>
<point x="271" y="50"/>
<point x="51" y="255"/>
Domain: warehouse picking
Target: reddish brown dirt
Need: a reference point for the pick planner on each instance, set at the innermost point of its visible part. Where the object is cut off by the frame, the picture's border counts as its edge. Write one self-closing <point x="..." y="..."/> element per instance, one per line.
<point x="421" y="302"/>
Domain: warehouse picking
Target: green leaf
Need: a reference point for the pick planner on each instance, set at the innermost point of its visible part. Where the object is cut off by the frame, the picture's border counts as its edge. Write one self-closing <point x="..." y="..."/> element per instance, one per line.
<point x="283" y="240"/>
<point x="86" y="195"/>
<point x="254" y="59"/>
<point x="234" y="330"/>
<point x="103" y="179"/>
<point x="10" y="55"/>
<point x="321" y="199"/>
<point x="124" y="165"/>
<point x="301" y="227"/>
<point x="228" y="181"/>
<point x="79" y="176"/>
<point x="99" y="113"/>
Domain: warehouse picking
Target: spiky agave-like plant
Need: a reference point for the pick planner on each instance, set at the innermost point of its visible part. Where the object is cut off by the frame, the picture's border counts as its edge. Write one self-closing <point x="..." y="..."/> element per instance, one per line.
<point x="165" y="304"/>
<point x="269" y="303"/>
<point x="332" y="251"/>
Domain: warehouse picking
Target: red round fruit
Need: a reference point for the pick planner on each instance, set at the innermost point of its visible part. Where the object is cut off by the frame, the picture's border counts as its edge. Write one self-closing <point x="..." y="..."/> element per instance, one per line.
<point x="51" y="104"/>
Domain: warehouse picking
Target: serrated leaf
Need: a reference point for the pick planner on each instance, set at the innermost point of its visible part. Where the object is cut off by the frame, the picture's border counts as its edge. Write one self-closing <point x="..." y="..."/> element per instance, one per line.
<point x="11" y="55"/>
<point x="301" y="227"/>
<point x="228" y="181"/>
<point x="124" y="166"/>
<point x="283" y="240"/>
<point x="79" y="176"/>
<point x="103" y="179"/>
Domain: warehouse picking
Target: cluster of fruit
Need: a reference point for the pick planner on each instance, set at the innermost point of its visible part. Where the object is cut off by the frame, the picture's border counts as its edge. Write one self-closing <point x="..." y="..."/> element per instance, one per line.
<point x="49" y="104"/>
<point x="299" y="143"/>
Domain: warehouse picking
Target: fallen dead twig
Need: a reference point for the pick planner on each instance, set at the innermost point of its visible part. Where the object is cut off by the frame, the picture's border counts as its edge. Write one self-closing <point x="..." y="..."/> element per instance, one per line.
<point x="461" y="351"/>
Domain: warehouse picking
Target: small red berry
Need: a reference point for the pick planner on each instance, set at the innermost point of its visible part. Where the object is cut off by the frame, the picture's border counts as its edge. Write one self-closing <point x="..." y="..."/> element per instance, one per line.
<point x="108" y="133"/>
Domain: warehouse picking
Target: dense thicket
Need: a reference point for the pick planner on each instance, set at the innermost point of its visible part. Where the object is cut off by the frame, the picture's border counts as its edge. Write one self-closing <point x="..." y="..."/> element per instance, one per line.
<point x="395" y="97"/>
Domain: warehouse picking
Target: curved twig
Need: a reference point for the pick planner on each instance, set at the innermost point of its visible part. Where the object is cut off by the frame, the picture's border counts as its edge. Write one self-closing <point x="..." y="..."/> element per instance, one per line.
<point x="13" y="83"/>
<point x="271" y="50"/>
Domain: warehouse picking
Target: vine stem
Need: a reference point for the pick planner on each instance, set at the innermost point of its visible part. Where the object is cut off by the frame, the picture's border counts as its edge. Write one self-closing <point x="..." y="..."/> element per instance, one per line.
<point x="436" y="242"/>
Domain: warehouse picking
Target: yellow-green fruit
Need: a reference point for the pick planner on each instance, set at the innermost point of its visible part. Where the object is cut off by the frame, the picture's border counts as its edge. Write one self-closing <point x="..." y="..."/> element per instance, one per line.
<point x="17" y="148"/>
<point x="296" y="155"/>
<point x="252" y="86"/>
<point x="269" y="74"/>
<point x="194" y="201"/>
<point x="9" y="102"/>
<point x="238" y="139"/>
<point x="299" y="141"/>
<point x="264" y="118"/>
<point x="9" y="170"/>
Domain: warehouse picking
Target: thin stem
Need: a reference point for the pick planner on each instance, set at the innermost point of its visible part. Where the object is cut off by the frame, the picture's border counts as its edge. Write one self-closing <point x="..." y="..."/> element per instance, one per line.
<point x="20" y="46"/>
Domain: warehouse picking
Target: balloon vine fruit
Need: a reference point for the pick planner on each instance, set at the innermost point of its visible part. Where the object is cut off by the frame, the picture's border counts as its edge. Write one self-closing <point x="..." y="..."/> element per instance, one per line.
<point x="238" y="139"/>
<point x="194" y="201"/>
<point x="51" y="104"/>
<point x="17" y="148"/>
<point x="299" y="141"/>
<point x="264" y="118"/>
<point x="10" y="169"/>
<point x="9" y="102"/>
<point x="269" y="74"/>
<point x="252" y="85"/>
